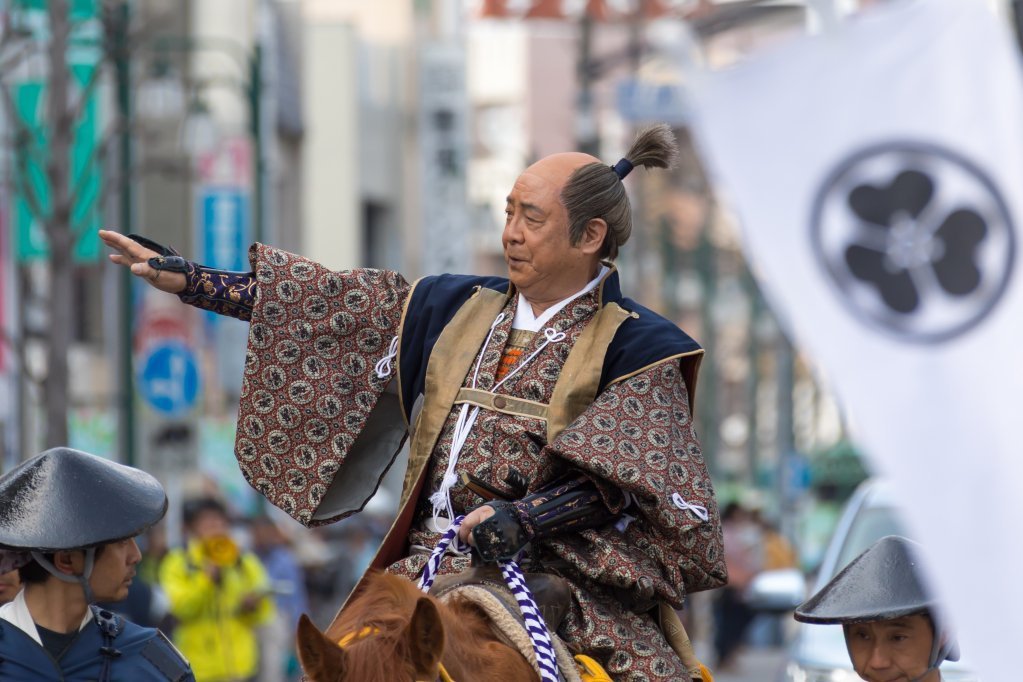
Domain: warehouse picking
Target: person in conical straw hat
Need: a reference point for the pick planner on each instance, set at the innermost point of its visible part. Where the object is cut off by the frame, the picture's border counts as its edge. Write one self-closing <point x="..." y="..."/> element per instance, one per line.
<point x="892" y="629"/>
<point x="68" y="522"/>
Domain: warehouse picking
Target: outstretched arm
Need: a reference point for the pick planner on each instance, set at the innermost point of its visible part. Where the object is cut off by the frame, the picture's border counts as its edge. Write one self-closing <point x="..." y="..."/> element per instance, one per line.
<point x="134" y="256"/>
<point x="220" y="291"/>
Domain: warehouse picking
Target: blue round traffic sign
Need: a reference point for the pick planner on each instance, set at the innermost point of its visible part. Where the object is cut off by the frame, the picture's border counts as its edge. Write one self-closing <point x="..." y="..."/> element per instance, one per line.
<point x="169" y="378"/>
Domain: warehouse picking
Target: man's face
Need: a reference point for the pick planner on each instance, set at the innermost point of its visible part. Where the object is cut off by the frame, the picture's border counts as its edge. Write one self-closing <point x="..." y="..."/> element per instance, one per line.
<point x="892" y="650"/>
<point x="542" y="263"/>
<point x="114" y="570"/>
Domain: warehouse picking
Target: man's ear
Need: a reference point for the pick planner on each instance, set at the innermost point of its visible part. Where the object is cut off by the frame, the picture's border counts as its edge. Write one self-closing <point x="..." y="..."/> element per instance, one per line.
<point x="71" y="562"/>
<point x="593" y="236"/>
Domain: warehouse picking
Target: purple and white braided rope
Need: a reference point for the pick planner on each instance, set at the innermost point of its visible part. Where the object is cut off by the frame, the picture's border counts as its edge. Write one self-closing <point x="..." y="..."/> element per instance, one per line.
<point x="433" y="563"/>
<point x="536" y="626"/>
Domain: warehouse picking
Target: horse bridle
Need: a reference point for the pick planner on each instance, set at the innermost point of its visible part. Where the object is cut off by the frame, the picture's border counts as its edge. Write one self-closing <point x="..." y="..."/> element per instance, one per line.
<point x="367" y="630"/>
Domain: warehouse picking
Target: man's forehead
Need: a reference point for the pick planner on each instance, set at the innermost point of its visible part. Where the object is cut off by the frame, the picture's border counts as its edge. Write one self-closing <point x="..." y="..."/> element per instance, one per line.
<point x="531" y="188"/>
<point x="900" y="622"/>
<point x="557" y="167"/>
<point x="545" y="178"/>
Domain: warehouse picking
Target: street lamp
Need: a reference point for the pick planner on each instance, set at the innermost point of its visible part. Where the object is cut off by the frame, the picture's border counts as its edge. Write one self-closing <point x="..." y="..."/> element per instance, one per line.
<point x="161" y="96"/>
<point x="199" y="123"/>
<point x="199" y="134"/>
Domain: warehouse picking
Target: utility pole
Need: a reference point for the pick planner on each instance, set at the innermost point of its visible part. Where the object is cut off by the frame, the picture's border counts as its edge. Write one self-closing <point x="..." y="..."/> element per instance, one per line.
<point x="587" y="138"/>
<point x="786" y="448"/>
<point x="756" y="309"/>
<point x="707" y="414"/>
<point x="122" y="67"/>
<point x="256" y="130"/>
<point x="58" y="229"/>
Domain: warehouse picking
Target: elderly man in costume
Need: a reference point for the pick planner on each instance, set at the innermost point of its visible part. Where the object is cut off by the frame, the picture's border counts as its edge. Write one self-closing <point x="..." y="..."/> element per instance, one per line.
<point x="890" y="622"/>
<point x="553" y="409"/>
<point x="68" y="521"/>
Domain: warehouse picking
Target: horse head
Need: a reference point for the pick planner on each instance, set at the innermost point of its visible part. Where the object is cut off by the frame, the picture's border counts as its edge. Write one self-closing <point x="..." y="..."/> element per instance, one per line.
<point x="392" y="632"/>
<point x="324" y="660"/>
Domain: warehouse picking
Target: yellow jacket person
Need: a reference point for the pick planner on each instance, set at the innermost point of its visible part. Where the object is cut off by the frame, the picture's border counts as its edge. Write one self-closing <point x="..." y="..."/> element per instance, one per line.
<point x="219" y="595"/>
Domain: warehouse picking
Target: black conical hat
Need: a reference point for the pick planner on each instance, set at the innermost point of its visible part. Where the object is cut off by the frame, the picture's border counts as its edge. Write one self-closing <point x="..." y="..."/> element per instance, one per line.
<point x="880" y="584"/>
<point x="68" y="499"/>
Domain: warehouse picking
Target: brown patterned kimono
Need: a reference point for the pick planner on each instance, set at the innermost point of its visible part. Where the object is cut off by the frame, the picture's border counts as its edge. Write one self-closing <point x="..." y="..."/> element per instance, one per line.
<point x="312" y="389"/>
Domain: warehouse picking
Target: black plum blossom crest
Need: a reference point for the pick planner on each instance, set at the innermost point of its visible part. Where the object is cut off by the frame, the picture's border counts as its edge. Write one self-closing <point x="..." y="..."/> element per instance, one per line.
<point x="902" y="245"/>
<point x="916" y="239"/>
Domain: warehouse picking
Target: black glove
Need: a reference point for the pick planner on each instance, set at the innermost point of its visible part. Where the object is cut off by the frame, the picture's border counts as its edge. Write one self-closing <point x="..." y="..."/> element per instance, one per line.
<point x="571" y="505"/>
<point x="169" y="259"/>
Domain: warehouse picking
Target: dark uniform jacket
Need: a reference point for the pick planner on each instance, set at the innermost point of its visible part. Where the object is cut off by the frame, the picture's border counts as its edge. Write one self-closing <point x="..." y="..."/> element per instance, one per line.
<point x="108" y="649"/>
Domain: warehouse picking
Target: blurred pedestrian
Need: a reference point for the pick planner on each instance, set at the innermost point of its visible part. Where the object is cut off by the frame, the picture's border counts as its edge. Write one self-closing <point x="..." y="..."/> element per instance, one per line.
<point x="359" y="541"/>
<point x="277" y="637"/>
<point x="778" y="552"/>
<point x="10" y="585"/>
<point x="892" y="629"/>
<point x="219" y="595"/>
<point x="67" y="523"/>
<point x="744" y="559"/>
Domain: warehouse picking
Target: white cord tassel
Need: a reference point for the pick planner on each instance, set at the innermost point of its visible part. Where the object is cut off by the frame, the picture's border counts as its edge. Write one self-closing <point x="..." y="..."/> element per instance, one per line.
<point x="441" y="499"/>
<point x="383" y="366"/>
<point x="697" y="509"/>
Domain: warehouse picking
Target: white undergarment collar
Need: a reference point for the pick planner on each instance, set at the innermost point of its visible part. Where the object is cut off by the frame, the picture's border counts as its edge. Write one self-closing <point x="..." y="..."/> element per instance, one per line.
<point x="524" y="318"/>
<point x="17" y="614"/>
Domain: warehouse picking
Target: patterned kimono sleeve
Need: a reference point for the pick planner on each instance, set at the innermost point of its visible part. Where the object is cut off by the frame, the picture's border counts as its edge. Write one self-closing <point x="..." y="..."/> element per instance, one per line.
<point x="317" y="365"/>
<point x="638" y="438"/>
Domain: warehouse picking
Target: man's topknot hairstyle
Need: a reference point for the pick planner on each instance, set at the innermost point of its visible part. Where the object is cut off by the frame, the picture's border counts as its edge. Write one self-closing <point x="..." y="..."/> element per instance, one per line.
<point x="596" y="191"/>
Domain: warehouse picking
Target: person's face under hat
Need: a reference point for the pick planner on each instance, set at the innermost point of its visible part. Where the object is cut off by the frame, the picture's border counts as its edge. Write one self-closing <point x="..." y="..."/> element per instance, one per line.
<point x="895" y="650"/>
<point x="113" y="571"/>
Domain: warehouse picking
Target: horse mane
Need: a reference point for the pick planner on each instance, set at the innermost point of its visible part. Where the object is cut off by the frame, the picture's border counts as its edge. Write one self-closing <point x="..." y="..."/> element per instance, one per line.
<point x="385" y="604"/>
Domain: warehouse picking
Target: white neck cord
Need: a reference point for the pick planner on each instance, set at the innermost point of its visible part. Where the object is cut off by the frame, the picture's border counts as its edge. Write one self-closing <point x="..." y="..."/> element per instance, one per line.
<point x="441" y="499"/>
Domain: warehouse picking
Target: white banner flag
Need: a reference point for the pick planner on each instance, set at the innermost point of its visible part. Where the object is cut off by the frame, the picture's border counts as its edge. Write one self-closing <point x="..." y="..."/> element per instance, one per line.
<point x="878" y="174"/>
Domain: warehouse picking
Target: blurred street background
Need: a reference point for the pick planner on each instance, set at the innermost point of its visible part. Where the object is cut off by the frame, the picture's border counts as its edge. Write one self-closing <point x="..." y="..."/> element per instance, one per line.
<point x="757" y="665"/>
<point x="382" y="134"/>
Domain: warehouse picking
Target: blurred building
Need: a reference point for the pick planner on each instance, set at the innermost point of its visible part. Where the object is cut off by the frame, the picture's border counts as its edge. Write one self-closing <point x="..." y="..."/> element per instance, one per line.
<point x="286" y="122"/>
<point x="387" y="134"/>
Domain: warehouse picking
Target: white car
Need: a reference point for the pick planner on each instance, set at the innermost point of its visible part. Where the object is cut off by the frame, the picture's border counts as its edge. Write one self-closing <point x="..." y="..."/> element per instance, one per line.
<point x="818" y="652"/>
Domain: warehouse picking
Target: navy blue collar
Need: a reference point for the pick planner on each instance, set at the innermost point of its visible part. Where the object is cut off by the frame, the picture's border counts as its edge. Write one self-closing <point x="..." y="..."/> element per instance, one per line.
<point x="642" y="341"/>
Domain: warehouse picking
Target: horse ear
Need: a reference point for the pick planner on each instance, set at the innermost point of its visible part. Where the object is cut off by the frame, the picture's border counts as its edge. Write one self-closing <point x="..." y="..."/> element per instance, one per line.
<point x="426" y="639"/>
<point x="322" y="660"/>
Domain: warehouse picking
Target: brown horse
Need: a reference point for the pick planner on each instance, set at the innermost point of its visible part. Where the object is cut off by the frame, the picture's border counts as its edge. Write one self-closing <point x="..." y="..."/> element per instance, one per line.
<point x="393" y="632"/>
